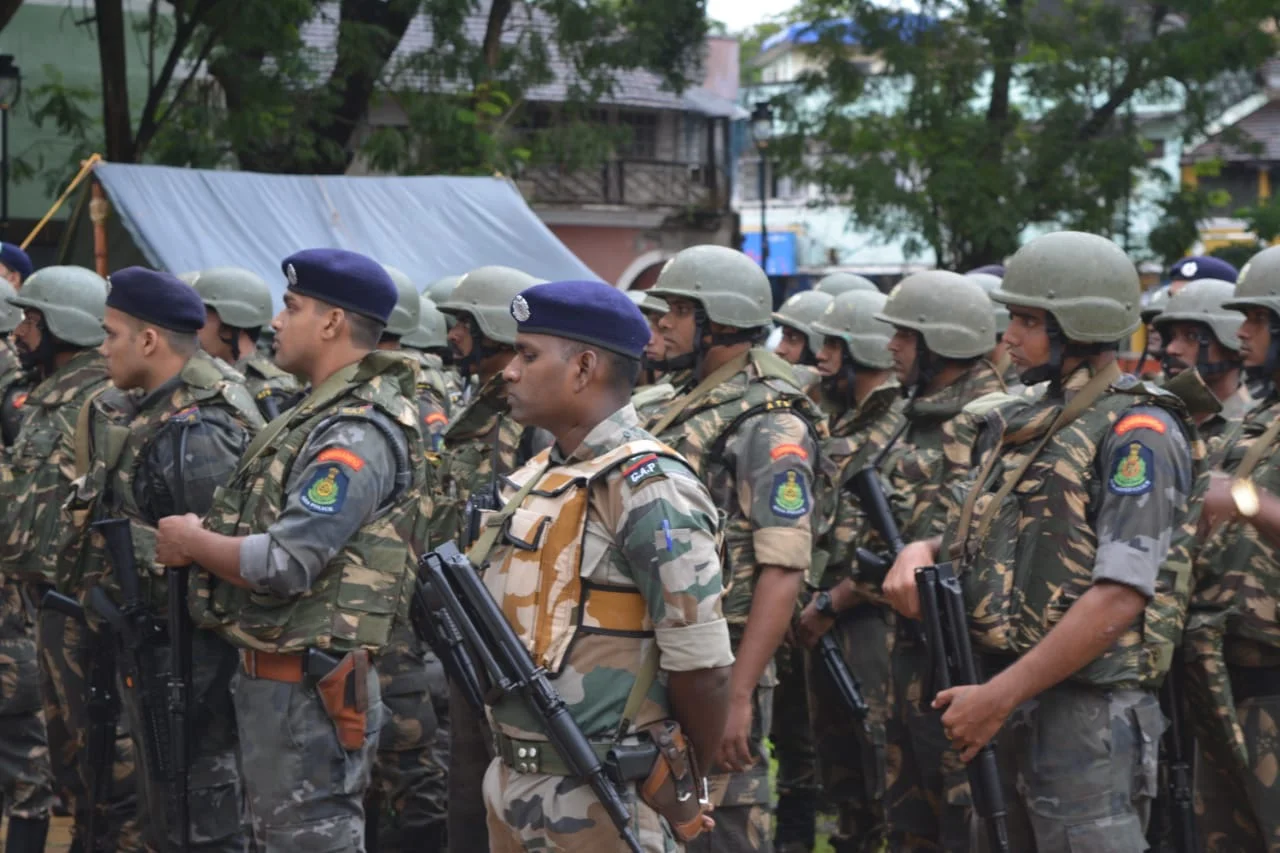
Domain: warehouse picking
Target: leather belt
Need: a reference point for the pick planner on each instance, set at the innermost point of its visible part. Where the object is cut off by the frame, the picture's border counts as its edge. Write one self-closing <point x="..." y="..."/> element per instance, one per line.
<point x="288" y="668"/>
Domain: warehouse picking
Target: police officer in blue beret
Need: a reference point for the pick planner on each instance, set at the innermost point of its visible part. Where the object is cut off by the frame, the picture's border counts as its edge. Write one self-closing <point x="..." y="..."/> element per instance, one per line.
<point x="650" y="541"/>
<point x="15" y="265"/>
<point x="307" y="551"/>
<point x="162" y="440"/>
<point x="1198" y="267"/>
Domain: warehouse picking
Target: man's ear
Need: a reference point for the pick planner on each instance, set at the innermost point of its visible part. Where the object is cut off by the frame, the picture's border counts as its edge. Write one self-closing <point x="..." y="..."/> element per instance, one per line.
<point x="150" y="340"/>
<point x="331" y="327"/>
<point x="586" y="362"/>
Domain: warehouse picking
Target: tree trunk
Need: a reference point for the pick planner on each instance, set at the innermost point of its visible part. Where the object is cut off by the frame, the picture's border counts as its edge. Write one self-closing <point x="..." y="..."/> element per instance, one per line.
<point x="116" y="123"/>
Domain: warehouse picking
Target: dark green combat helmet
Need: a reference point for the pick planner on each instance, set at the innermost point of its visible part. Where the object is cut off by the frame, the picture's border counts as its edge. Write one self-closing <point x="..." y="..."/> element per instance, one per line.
<point x="404" y="316"/>
<point x="990" y="284"/>
<point x="1259" y="287"/>
<point x="851" y="317"/>
<point x="485" y="294"/>
<point x="10" y="314"/>
<point x="440" y="290"/>
<point x="843" y="282"/>
<point x="241" y="297"/>
<point x="1201" y="302"/>
<point x="1153" y="305"/>
<point x="648" y="303"/>
<point x="951" y="314"/>
<point x="431" y="332"/>
<point x="73" y="301"/>
<point x="800" y="311"/>
<point x="730" y="287"/>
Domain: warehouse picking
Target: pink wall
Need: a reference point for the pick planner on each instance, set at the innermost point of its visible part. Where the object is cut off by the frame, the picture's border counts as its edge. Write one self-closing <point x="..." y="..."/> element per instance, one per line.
<point x="608" y="251"/>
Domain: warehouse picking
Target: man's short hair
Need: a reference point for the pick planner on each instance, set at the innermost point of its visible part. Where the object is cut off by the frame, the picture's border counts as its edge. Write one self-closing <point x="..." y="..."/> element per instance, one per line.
<point x="182" y="343"/>
<point x="623" y="371"/>
<point x="365" y="331"/>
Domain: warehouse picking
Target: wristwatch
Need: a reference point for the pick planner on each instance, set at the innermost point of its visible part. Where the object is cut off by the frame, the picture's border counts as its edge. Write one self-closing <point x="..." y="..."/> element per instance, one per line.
<point x="823" y="604"/>
<point x="1245" y="496"/>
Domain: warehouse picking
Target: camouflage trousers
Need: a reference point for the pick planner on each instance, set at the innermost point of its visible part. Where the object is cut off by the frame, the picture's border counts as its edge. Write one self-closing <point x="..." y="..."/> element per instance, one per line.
<point x="65" y="648"/>
<point x="559" y="814"/>
<point x="926" y="796"/>
<point x="792" y="739"/>
<point x="25" y="777"/>
<point x="1078" y="765"/>
<point x="214" y="797"/>
<point x="407" y="800"/>
<point x="851" y="754"/>
<point x="1242" y="815"/>
<point x="470" y="743"/>
<point x="741" y="800"/>
<point x="305" y="792"/>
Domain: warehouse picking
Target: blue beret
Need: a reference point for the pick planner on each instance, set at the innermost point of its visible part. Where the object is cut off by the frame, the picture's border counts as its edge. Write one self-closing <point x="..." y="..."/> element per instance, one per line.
<point x="343" y="279"/>
<point x="1203" y="266"/>
<point x="158" y="298"/>
<point x="15" y="259"/>
<point x="996" y="270"/>
<point x="587" y="311"/>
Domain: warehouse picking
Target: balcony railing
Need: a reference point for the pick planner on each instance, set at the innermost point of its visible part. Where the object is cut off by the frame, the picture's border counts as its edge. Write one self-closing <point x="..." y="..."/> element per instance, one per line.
<point x="633" y="183"/>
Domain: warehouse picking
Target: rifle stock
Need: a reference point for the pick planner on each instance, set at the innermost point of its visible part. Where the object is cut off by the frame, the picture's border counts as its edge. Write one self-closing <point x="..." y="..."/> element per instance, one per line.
<point x="476" y="638"/>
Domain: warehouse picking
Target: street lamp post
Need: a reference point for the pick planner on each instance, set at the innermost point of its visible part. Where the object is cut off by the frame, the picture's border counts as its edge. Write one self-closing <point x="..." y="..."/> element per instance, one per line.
<point x="10" y="89"/>
<point x="761" y="133"/>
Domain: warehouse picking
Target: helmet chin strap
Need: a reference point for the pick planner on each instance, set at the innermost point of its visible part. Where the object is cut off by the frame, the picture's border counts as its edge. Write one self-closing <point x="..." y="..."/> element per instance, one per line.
<point x="1262" y="376"/>
<point x="1206" y="368"/>
<point x="1060" y="349"/>
<point x="926" y="368"/>
<point x="41" y="359"/>
<point x="231" y="337"/>
<point x="481" y="348"/>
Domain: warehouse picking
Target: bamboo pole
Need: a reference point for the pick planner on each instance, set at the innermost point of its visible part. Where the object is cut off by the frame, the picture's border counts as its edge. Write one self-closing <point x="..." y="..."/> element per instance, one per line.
<point x="85" y="168"/>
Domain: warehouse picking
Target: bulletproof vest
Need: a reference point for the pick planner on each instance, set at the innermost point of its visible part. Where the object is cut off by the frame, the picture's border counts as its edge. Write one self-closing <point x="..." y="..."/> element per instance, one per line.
<point x="565" y="621"/>
<point x="1038" y="555"/>
<point x="36" y="481"/>
<point x="360" y="593"/>
<point x="481" y="441"/>
<point x="1249" y="565"/>
<point x="271" y="387"/>
<point x="700" y="432"/>
<point x="119" y="439"/>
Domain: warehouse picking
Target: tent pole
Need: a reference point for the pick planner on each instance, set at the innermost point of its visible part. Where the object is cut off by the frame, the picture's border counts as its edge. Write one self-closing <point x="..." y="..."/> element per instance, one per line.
<point x="98" y="210"/>
<point x="85" y="168"/>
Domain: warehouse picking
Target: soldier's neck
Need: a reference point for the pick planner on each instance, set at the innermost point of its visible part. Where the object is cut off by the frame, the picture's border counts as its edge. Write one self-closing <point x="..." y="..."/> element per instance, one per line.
<point x="1225" y="385"/>
<point x="162" y="369"/>
<point x="331" y="360"/>
<point x="717" y="357"/>
<point x="64" y="357"/>
<point x="389" y="344"/>
<point x="493" y="365"/>
<point x="865" y="382"/>
<point x="951" y="373"/>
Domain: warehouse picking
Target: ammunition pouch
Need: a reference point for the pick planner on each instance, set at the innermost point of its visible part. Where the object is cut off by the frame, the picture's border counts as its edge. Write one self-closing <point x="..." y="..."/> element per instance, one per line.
<point x="344" y="692"/>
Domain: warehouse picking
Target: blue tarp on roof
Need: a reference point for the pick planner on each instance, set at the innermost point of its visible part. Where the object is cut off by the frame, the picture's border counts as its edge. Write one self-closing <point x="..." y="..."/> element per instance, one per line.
<point x="430" y="227"/>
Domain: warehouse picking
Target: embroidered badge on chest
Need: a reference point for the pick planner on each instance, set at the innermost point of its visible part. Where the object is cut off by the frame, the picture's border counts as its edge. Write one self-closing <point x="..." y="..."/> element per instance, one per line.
<point x="326" y="491"/>
<point x="790" y="495"/>
<point x="1131" y="470"/>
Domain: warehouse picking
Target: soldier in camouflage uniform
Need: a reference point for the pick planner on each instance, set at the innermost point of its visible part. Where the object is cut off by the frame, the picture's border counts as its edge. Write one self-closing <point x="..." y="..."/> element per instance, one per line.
<point x="943" y="330"/>
<point x="438" y="389"/>
<point x="238" y="303"/>
<point x="1199" y="335"/>
<point x="406" y="321"/>
<point x="481" y="444"/>
<point x="642" y="535"/>
<point x="1061" y="537"/>
<point x="864" y="401"/>
<point x="439" y="292"/>
<point x="158" y="443"/>
<point x="752" y="436"/>
<point x="1233" y="639"/>
<point x="799" y="346"/>
<point x="843" y="282"/>
<point x="62" y="311"/>
<point x="41" y="466"/>
<point x="999" y="356"/>
<point x="791" y="735"/>
<point x="14" y="383"/>
<point x="661" y="378"/>
<point x="307" y="554"/>
<point x="403" y="805"/>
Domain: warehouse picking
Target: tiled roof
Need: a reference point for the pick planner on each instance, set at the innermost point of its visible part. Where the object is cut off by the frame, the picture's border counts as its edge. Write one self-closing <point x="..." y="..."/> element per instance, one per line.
<point x="1259" y="133"/>
<point x="638" y="88"/>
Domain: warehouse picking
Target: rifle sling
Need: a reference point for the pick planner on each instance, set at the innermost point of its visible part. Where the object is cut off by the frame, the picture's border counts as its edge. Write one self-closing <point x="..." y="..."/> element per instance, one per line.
<point x="493" y="526"/>
<point x="1257" y="450"/>
<point x="680" y="405"/>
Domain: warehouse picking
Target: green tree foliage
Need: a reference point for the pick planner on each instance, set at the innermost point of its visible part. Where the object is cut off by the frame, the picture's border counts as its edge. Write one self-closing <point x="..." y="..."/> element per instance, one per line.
<point x="958" y="128"/>
<point x="304" y="86"/>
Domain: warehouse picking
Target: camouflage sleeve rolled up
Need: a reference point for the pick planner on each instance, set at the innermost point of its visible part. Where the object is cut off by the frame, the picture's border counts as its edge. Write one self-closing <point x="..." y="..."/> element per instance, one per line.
<point x="343" y="476"/>
<point x="773" y="456"/>
<point x="190" y="457"/>
<point x="1145" y="470"/>
<point x="667" y="537"/>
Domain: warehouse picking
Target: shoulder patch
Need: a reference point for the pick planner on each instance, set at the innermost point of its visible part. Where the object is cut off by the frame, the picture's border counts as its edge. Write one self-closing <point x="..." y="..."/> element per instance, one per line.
<point x="358" y="411"/>
<point x="341" y="455"/>
<point x="326" y="491"/>
<point x="788" y="450"/>
<point x="1131" y="468"/>
<point x="789" y="496"/>
<point x="642" y="470"/>
<point x="1131" y="422"/>
<point x="436" y="418"/>
<point x="189" y="415"/>
<point x="19" y="399"/>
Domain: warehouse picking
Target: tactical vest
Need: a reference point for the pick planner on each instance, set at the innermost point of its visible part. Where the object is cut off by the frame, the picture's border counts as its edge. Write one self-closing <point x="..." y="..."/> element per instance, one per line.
<point x="36" y="483"/>
<point x="699" y="435"/>
<point x="119" y="438"/>
<point x="563" y="619"/>
<point x="264" y="380"/>
<point x="363" y="589"/>
<point x="1038" y="555"/>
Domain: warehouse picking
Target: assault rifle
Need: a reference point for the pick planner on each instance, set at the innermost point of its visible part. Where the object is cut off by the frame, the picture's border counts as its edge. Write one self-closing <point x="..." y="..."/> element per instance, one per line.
<point x="1174" y="815"/>
<point x="104" y="711"/>
<point x="454" y="613"/>
<point x="946" y="629"/>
